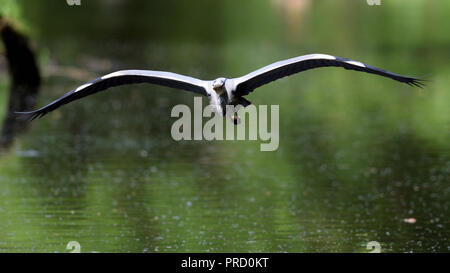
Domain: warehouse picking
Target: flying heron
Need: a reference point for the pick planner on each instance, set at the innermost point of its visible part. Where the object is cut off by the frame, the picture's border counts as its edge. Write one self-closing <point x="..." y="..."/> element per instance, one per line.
<point x="221" y="91"/>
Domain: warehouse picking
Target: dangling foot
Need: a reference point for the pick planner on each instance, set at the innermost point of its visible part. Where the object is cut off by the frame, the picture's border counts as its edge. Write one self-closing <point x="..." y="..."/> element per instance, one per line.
<point x="235" y="119"/>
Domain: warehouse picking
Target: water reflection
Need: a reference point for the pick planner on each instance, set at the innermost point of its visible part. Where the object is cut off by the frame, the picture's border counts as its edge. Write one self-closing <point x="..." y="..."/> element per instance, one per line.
<point x="358" y="155"/>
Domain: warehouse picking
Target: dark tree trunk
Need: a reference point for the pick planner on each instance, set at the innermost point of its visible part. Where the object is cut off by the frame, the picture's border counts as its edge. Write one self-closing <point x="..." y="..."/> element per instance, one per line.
<point x="25" y="81"/>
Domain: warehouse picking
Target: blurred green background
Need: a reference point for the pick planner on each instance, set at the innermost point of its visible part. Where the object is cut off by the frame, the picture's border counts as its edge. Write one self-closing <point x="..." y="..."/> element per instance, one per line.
<point x="359" y="155"/>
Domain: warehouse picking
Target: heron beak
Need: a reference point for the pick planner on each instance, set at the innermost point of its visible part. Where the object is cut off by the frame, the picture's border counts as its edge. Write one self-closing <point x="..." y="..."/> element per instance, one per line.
<point x="218" y="88"/>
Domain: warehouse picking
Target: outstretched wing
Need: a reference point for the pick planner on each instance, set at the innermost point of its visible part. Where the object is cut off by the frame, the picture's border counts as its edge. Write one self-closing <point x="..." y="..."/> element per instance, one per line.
<point x="246" y="84"/>
<point x="121" y="78"/>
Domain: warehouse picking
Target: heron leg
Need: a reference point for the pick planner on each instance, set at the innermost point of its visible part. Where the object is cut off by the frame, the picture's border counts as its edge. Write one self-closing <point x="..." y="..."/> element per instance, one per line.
<point x="237" y="102"/>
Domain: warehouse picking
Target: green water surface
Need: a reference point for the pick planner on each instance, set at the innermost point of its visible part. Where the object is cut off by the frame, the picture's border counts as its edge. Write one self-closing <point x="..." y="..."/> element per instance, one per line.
<point x="358" y="154"/>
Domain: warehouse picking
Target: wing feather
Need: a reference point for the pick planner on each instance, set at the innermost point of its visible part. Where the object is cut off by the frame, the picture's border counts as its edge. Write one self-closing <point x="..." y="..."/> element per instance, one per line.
<point x="246" y="84"/>
<point x="121" y="78"/>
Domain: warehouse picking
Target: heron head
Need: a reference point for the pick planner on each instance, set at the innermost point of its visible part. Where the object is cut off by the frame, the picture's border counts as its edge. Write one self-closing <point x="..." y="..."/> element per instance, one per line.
<point x="218" y="84"/>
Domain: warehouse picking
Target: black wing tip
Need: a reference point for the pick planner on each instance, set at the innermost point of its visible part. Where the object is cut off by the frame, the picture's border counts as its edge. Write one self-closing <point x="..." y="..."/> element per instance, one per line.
<point x="421" y="83"/>
<point x="29" y="116"/>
